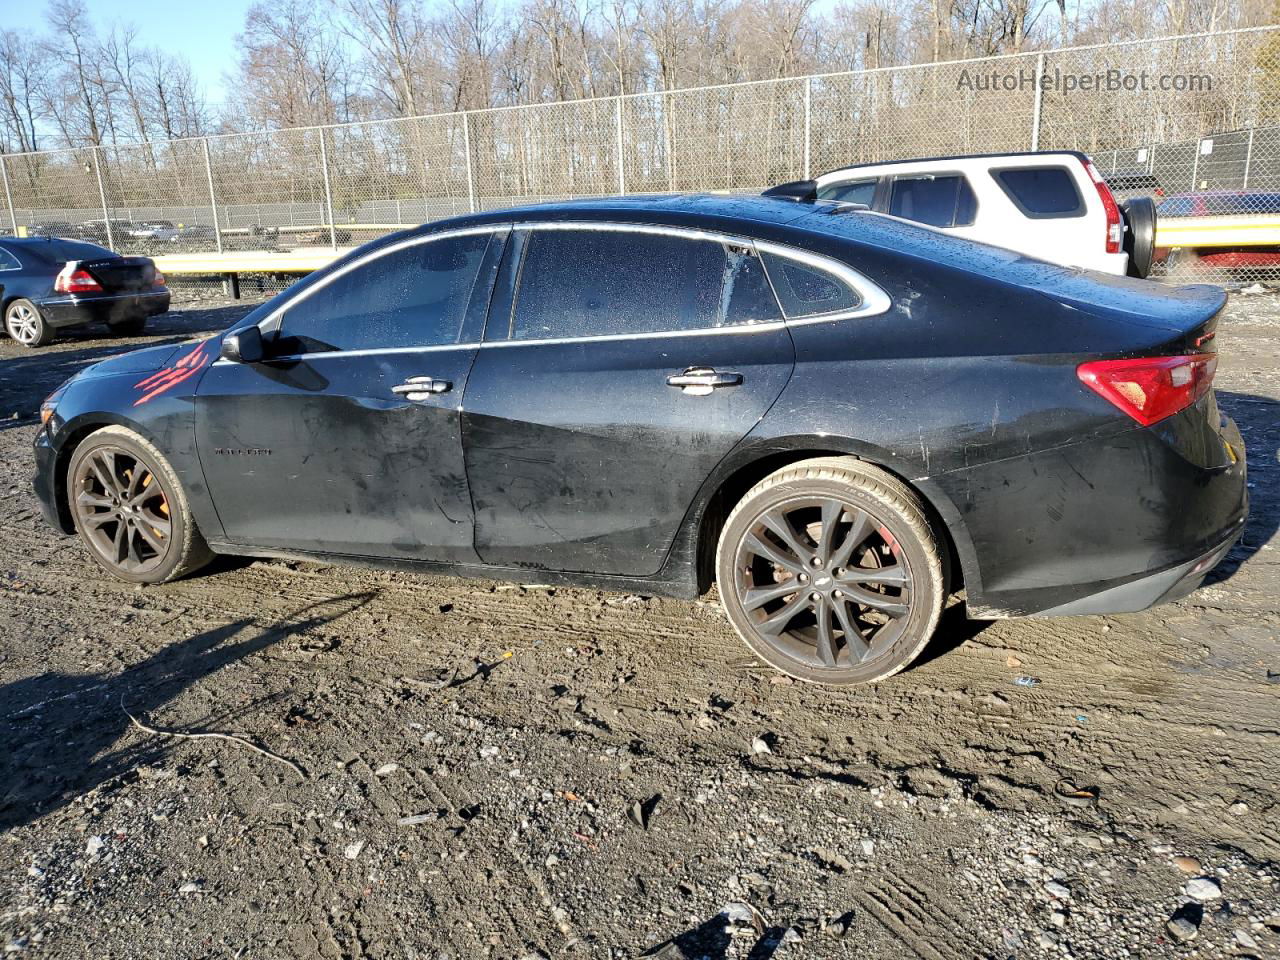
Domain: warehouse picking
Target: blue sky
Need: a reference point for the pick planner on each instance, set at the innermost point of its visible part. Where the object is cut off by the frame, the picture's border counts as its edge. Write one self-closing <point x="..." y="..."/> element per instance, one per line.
<point x="202" y="31"/>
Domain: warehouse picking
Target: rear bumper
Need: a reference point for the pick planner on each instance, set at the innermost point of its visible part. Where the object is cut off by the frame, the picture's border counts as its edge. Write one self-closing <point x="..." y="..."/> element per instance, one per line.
<point x="1103" y="526"/>
<point x="1113" y="263"/>
<point x="68" y="311"/>
<point x="1149" y="589"/>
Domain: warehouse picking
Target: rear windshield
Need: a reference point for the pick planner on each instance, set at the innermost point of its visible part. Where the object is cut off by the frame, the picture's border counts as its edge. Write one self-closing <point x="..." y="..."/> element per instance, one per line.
<point x="1041" y="192"/>
<point x="61" y="250"/>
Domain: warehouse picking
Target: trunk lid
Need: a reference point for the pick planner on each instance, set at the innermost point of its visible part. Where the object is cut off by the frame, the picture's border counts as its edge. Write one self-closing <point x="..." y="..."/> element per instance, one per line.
<point x="122" y="274"/>
<point x="1187" y="313"/>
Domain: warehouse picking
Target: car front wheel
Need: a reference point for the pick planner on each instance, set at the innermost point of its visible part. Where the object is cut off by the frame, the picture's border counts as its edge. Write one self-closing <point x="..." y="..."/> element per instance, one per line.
<point x="130" y="510"/>
<point x="24" y="322"/>
<point x="830" y="571"/>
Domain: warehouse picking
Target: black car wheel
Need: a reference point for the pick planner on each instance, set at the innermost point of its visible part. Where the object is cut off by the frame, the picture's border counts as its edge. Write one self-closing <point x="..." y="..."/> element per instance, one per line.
<point x="24" y="322"/>
<point x="130" y="509"/>
<point x="830" y="571"/>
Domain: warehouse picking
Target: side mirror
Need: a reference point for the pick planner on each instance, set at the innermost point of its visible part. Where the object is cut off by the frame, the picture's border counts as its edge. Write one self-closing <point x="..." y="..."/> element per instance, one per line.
<point x="243" y="346"/>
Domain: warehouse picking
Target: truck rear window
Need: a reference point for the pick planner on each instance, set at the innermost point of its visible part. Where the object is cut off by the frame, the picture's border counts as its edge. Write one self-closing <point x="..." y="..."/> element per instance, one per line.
<point x="1041" y="192"/>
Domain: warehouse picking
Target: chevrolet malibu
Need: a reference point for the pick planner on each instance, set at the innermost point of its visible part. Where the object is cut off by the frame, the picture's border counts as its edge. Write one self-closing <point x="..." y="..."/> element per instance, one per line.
<point x="836" y="417"/>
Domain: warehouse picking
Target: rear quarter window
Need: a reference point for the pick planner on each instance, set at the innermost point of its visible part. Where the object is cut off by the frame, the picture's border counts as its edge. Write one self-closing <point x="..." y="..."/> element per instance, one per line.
<point x="1041" y="193"/>
<point x="8" y="261"/>
<point x="807" y="291"/>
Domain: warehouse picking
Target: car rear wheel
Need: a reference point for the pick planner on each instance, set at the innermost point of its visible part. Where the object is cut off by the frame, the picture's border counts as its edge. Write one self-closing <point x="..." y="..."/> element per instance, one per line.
<point x="830" y="571"/>
<point x="130" y="510"/>
<point x="128" y="328"/>
<point x="24" y="322"/>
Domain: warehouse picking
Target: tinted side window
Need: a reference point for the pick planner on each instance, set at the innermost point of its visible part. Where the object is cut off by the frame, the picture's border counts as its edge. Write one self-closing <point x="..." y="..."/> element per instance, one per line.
<point x="859" y="191"/>
<point x="1262" y="202"/>
<point x="591" y="283"/>
<point x="415" y="296"/>
<point x="8" y="261"/>
<point x="1042" y="192"/>
<point x="943" y="201"/>
<point x="807" y="291"/>
<point x="1175" y="207"/>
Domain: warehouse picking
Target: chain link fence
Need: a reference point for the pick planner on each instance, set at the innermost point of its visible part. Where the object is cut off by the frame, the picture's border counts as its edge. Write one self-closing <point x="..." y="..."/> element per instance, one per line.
<point x="1193" y="121"/>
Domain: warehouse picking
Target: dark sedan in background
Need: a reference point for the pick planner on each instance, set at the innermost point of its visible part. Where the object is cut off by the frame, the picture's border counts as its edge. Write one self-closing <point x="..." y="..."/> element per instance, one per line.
<point x="838" y="416"/>
<point x="52" y="283"/>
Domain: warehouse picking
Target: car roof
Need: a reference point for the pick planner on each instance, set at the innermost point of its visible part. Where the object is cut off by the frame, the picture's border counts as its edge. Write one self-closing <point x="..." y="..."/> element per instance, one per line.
<point x="804" y="223"/>
<point x="956" y="157"/>
<point x="30" y="241"/>
<point x="697" y="209"/>
<point x="1224" y="193"/>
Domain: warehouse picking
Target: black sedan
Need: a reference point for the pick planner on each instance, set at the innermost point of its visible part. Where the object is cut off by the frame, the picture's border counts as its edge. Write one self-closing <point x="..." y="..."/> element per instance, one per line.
<point x="51" y="283"/>
<point x="839" y="417"/>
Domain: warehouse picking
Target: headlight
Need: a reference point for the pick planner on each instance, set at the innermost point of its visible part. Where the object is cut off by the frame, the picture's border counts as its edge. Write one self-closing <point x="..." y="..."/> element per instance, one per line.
<point x="50" y="402"/>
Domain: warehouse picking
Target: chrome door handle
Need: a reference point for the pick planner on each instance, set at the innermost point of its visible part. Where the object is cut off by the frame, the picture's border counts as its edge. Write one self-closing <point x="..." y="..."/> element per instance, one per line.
<point x="700" y="381"/>
<point x="421" y="388"/>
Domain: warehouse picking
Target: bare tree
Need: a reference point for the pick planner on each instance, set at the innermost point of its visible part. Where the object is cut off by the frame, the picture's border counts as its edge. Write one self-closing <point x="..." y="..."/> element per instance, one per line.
<point x="22" y="91"/>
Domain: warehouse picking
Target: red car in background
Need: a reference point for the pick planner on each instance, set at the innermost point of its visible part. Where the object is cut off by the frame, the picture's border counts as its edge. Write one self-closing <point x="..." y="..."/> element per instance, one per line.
<point x="1222" y="203"/>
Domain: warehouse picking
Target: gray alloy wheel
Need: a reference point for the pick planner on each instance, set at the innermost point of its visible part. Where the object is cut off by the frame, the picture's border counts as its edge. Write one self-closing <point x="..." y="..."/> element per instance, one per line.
<point x="831" y="572"/>
<point x="130" y="510"/>
<point x="23" y="322"/>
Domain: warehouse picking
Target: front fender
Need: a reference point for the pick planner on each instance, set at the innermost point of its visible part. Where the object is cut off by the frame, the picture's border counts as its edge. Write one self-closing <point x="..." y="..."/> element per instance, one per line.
<point x="157" y="405"/>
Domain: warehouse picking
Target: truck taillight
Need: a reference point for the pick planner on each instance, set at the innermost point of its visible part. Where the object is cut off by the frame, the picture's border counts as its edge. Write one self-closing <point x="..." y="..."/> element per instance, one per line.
<point x="1115" y="229"/>
<point x="1149" y="389"/>
<point x="75" y="279"/>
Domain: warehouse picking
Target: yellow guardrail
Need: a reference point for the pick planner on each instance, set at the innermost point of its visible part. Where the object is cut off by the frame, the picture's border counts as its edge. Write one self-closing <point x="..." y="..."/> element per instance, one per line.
<point x="1196" y="232"/>
<point x="247" y="261"/>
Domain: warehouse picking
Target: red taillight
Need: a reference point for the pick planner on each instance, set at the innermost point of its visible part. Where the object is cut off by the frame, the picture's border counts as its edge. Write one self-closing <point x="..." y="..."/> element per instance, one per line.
<point x="75" y="280"/>
<point x="158" y="279"/>
<point x="1115" y="229"/>
<point x="1151" y="388"/>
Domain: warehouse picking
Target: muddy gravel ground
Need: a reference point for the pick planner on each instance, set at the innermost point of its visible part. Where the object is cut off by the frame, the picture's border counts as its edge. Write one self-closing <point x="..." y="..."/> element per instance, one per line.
<point x="490" y="770"/>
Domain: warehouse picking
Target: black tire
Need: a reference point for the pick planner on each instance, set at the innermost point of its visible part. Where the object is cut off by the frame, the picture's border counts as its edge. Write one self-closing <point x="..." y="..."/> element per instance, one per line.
<point x="1140" y="234"/>
<point x="24" y="322"/>
<point x="899" y="553"/>
<point x="132" y="327"/>
<point x="151" y="533"/>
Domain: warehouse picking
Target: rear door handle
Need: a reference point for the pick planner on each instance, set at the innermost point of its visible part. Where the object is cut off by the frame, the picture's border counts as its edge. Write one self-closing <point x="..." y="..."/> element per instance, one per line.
<point x="700" y="381"/>
<point x="421" y="388"/>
